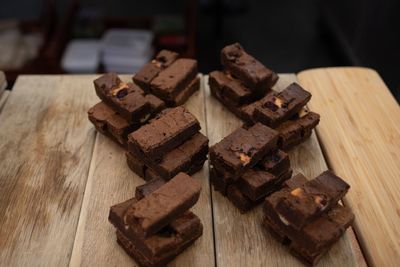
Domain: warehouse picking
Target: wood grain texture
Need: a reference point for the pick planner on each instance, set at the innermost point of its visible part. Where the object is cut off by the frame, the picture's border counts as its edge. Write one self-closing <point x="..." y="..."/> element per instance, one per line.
<point x="110" y="181"/>
<point x="3" y="82"/>
<point x="239" y="238"/>
<point x="3" y="98"/>
<point x="45" y="151"/>
<point x="361" y="142"/>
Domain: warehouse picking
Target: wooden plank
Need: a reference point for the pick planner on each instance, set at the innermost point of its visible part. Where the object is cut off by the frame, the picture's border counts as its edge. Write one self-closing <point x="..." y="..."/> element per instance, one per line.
<point x="110" y="181"/>
<point x="3" y="82"/>
<point x="239" y="238"/>
<point x="45" y="150"/>
<point x="3" y="99"/>
<point x="361" y="139"/>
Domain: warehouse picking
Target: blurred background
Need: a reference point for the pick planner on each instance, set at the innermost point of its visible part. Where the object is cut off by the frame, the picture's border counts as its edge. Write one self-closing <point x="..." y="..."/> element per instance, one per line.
<point x="88" y="36"/>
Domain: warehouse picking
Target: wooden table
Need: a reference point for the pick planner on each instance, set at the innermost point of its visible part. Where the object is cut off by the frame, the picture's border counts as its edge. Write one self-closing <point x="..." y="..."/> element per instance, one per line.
<point x="58" y="177"/>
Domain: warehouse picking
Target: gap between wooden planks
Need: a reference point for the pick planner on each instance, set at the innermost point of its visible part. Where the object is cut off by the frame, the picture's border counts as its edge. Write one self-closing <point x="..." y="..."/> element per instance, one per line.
<point x="239" y="238"/>
<point x="110" y="181"/>
<point x="362" y="143"/>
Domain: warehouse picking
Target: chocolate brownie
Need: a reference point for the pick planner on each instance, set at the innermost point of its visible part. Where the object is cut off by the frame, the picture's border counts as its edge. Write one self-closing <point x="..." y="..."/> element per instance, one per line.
<point x="148" y="187"/>
<point x="152" y="213"/>
<point x="294" y="132"/>
<point x="171" y="81"/>
<point x="163" y="133"/>
<point x="276" y="163"/>
<point x="257" y="184"/>
<point x="184" y="95"/>
<point x="180" y="158"/>
<point x="246" y="68"/>
<point x="278" y="107"/>
<point x="220" y="179"/>
<point x="232" y="89"/>
<point x="240" y="200"/>
<point x="296" y="207"/>
<point x="243" y="148"/>
<point x="136" y="165"/>
<point x="149" y="71"/>
<point x="109" y="122"/>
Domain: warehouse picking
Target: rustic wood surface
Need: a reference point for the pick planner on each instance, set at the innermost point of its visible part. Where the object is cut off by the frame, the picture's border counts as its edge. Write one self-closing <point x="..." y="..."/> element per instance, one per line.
<point x="361" y="141"/>
<point x="110" y="182"/>
<point x="58" y="179"/>
<point x="3" y="98"/>
<point x="240" y="239"/>
<point x="3" y="82"/>
<point x="45" y="150"/>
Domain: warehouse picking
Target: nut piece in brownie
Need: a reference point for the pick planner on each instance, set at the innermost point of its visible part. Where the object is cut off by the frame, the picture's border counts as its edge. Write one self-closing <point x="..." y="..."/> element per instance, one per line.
<point x="127" y="99"/>
<point x="163" y="133"/>
<point x="110" y="123"/>
<point x="243" y="148"/>
<point x="232" y="89"/>
<point x="315" y="238"/>
<point x="188" y="157"/>
<point x="246" y="68"/>
<point x="296" y="131"/>
<point x="276" y="108"/>
<point x="174" y="79"/>
<point x="149" y="71"/>
<point x="150" y="214"/>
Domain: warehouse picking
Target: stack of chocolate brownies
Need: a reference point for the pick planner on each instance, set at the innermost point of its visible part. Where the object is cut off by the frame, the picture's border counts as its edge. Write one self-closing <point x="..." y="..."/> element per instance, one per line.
<point x="124" y="107"/>
<point x="156" y="225"/>
<point x="305" y="215"/>
<point x="170" y="78"/>
<point x="247" y="165"/>
<point x="170" y="143"/>
<point x="244" y="87"/>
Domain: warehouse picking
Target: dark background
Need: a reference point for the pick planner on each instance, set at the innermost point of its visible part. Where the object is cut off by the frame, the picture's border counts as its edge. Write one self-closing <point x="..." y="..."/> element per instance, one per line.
<point x="287" y="36"/>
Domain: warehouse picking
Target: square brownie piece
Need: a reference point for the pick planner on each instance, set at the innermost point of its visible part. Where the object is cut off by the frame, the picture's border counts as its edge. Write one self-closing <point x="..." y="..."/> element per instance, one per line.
<point x="246" y="68"/>
<point x="276" y="163"/>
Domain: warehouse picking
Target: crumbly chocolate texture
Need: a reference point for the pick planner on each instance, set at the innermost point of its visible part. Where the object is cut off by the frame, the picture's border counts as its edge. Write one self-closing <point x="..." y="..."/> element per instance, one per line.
<point x="276" y="108"/>
<point x="149" y="71"/>
<point x="246" y="68"/>
<point x="109" y="122"/>
<point x="232" y="89"/>
<point x="276" y="163"/>
<point x="180" y="158"/>
<point x="294" y="132"/>
<point x="152" y="213"/>
<point x="171" y="81"/>
<point x="316" y="237"/>
<point x="184" y="95"/>
<point x="240" y="200"/>
<point x="243" y="148"/>
<point x="130" y="101"/>
<point x="136" y="165"/>
<point x="303" y="204"/>
<point x="163" y="133"/>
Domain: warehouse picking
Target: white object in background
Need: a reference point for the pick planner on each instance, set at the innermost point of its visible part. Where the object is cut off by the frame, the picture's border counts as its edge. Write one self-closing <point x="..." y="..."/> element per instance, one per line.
<point x="82" y="56"/>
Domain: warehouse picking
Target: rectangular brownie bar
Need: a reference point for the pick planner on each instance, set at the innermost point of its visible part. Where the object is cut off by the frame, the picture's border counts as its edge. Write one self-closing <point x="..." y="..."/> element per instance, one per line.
<point x="276" y="108"/>
<point x="276" y="163"/>
<point x="240" y="200"/>
<point x="152" y="213"/>
<point x="126" y="98"/>
<point x="232" y="89"/>
<point x="294" y="132"/>
<point x="246" y="68"/>
<point x="167" y="240"/>
<point x="109" y="122"/>
<point x="243" y="148"/>
<point x="163" y="133"/>
<point x="257" y="184"/>
<point x="297" y="207"/>
<point x="171" y="81"/>
<point x="180" y="158"/>
<point x="149" y="71"/>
